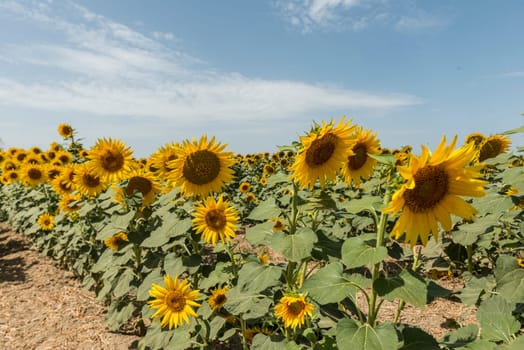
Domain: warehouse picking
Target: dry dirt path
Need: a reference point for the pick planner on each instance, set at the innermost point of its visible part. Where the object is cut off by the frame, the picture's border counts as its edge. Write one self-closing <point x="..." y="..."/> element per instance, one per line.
<point x="44" y="307"/>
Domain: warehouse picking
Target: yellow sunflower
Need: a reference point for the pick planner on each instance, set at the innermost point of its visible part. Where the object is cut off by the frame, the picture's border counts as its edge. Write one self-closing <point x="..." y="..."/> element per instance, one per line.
<point x="477" y="138"/>
<point x="279" y="224"/>
<point x="65" y="130"/>
<point x="46" y="222"/>
<point x="175" y="302"/>
<point x="493" y="146"/>
<point x="244" y="187"/>
<point x="215" y="220"/>
<point x="142" y="181"/>
<point x="87" y="182"/>
<point x="359" y="164"/>
<point x="268" y="170"/>
<point x="110" y="159"/>
<point x="293" y="310"/>
<point x="202" y="167"/>
<point x="69" y="203"/>
<point x="218" y="298"/>
<point x="12" y="176"/>
<point x="115" y="242"/>
<point x="250" y="197"/>
<point x="159" y="161"/>
<point x="64" y="182"/>
<point x="64" y="157"/>
<point x="33" y="174"/>
<point x="432" y="189"/>
<point x="324" y="150"/>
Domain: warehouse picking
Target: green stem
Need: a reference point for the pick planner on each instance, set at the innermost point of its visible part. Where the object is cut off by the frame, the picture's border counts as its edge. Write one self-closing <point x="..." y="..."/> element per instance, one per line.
<point x="244" y="332"/>
<point x="469" y="250"/>
<point x="138" y="260"/>
<point x="381" y="228"/>
<point x="233" y="262"/>
<point x="399" y="310"/>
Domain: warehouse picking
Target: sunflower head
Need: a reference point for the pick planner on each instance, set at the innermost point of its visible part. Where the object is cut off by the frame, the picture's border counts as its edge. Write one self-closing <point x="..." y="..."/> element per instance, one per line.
<point x="46" y="222"/>
<point x="33" y="174"/>
<point x="174" y="302"/>
<point x="244" y="187"/>
<point x="70" y="203"/>
<point x="493" y="146"/>
<point x="115" y="242"/>
<point x="217" y="299"/>
<point x="202" y="167"/>
<point x="293" y="309"/>
<point x="323" y="153"/>
<point x="279" y="224"/>
<point x="87" y="182"/>
<point x="215" y="220"/>
<point x="65" y="130"/>
<point x="141" y="181"/>
<point x="431" y="193"/>
<point x="476" y="138"/>
<point x="110" y="159"/>
<point x="359" y="164"/>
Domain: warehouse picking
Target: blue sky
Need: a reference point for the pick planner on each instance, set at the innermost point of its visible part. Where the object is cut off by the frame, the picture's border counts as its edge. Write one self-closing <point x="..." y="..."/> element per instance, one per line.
<point x="257" y="74"/>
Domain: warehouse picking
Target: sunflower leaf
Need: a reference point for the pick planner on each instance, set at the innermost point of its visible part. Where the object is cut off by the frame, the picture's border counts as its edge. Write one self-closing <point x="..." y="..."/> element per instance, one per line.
<point x="406" y="286"/>
<point x="354" y="335"/>
<point x="255" y="277"/>
<point x="295" y="247"/>
<point x="496" y="320"/>
<point x="265" y="210"/>
<point x="357" y="252"/>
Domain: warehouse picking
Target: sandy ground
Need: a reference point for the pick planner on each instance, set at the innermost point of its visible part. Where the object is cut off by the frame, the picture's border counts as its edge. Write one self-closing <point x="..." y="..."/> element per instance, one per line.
<point x="44" y="307"/>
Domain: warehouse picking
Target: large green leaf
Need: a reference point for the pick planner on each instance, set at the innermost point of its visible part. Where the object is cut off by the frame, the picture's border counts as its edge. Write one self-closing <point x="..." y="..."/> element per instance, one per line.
<point x="460" y="337"/>
<point x="118" y="223"/>
<point x="265" y="210"/>
<point x="415" y="339"/>
<point x="517" y="344"/>
<point x="260" y="233"/>
<point x="255" y="277"/>
<point x="329" y="285"/>
<point x="155" y="276"/>
<point x="358" y="252"/>
<point x="366" y="203"/>
<point x="469" y="234"/>
<point x="250" y="304"/>
<point x="496" y="319"/>
<point x="511" y="286"/>
<point x="123" y="285"/>
<point x="354" y="335"/>
<point x="170" y="228"/>
<point x="406" y="286"/>
<point x="294" y="247"/>
<point x="264" y="342"/>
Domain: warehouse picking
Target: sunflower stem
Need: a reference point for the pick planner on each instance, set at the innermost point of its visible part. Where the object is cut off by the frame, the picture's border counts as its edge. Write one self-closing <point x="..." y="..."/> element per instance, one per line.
<point x="244" y="333"/>
<point x="381" y="228"/>
<point x="233" y="262"/>
<point x="138" y="260"/>
<point x="469" y="250"/>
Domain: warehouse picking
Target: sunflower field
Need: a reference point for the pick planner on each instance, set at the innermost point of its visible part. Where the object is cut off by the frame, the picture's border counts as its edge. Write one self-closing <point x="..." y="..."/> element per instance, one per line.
<point x="196" y="247"/>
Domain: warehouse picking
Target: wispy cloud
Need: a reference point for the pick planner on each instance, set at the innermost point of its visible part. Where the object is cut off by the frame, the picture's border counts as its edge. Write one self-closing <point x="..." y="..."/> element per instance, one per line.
<point x="310" y="15"/>
<point x="106" y="68"/>
<point x="514" y="74"/>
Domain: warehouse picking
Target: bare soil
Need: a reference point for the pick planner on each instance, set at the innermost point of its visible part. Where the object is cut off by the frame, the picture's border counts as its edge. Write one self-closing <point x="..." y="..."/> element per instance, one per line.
<point x="45" y="307"/>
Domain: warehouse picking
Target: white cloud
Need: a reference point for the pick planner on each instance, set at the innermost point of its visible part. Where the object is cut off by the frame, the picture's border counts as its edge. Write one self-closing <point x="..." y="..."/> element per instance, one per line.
<point x="515" y="74"/>
<point x="420" y="21"/>
<point x="164" y="36"/>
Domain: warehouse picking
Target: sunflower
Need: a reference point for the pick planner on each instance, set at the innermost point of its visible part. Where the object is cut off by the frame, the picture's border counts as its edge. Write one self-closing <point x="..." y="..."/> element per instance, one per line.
<point x="64" y="157"/>
<point x="46" y="222"/>
<point x="250" y="197"/>
<point x="65" y="130"/>
<point x="202" y="167"/>
<point x="175" y="302"/>
<point x="53" y="171"/>
<point x="110" y="159"/>
<point x="139" y="180"/>
<point x="11" y="176"/>
<point x="322" y="154"/>
<point x="359" y="164"/>
<point x="115" y="242"/>
<point x="493" y="146"/>
<point x="244" y="187"/>
<point x="218" y="298"/>
<point x="69" y="203"/>
<point x="477" y="138"/>
<point x="268" y="169"/>
<point x="279" y="224"/>
<point x="64" y="182"/>
<point x="87" y="182"/>
<point x="10" y="164"/>
<point x="33" y="175"/>
<point x="263" y="258"/>
<point x="159" y="161"/>
<point x="432" y="189"/>
<point x="215" y="220"/>
<point x="263" y="181"/>
<point x="293" y="310"/>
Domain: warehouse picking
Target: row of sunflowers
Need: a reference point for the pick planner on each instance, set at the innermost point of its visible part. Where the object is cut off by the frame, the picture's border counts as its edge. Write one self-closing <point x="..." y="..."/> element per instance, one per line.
<point x="196" y="247"/>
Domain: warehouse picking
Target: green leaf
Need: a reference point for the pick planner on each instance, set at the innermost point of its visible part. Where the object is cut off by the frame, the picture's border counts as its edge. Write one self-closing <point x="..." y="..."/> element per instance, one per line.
<point x="357" y="252"/>
<point x="514" y="131"/>
<point x="263" y="342"/>
<point x="123" y="285"/>
<point x="353" y="335"/>
<point x="118" y="223"/>
<point x="511" y="286"/>
<point x="460" y="337"/>
<point x="387" y="159"/>
<point x="473" y="290"/>
<point x="480" y="344"/>
<point x="250" y="304"/>
<point x="294" y="247"/>
<point x="496" y="319"/>
<point x="155" y="276"/>
<point x="366" y="203"/>
<point x="517" y="344"/>
<point x="277" y="178"/>
<point x="170" y="228"/>
<point x="260" y="233"/>
<point x="469" y="234"/>
<point x="416" y="339"/>
<point x="328" y="285"/>
<point x="265" y="210"/>
<point x="255" y="278"/>
<point x="406" y="286"/>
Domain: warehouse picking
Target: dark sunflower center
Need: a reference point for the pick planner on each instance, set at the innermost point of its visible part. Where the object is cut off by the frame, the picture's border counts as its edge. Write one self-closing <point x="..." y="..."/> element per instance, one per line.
<point x="34" y="174"/>
<point x="201" y="167"/>
<point x="53" y="174"/>
<point x="64" y="159"/>
<point x="13" y="176"/>
<point x="490" y="149"/>
<point x="220" y="299"/>
<point x="431" y="185"/>
<point x="112" y="161"/>
<point x="296" y="307"/>
<point x="175" y="301"/>
<point x="358" y="160"/>
<point x="66" y="130"/>
<point x="91" y="181"/>
<point x="321" y="150"/>
<point x="139" y="183"/>
<point x="215" y="219"/>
